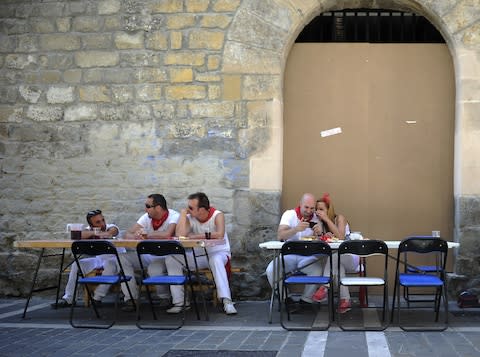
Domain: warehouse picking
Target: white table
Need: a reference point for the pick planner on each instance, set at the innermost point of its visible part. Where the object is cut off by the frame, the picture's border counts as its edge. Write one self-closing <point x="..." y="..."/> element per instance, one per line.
<point x="276" y="246"/>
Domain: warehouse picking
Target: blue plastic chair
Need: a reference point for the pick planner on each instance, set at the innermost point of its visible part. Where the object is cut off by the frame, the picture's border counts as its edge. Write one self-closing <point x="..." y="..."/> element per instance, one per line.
<point x="93" y="248"/>
<point x="163" y="248"/>
<point x="318" y="249"/>
<point x="421" y="279"/>
<point x="365" y="249"/>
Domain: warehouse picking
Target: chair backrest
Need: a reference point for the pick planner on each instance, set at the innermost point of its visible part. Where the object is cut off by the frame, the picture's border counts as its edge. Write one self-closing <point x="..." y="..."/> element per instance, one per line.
<point x="306" y="248"/>
<point x="423" y="245"/>
<point x="160" y="247"/>
<point x="93" y="247"/>
<point x="363" y="247"/>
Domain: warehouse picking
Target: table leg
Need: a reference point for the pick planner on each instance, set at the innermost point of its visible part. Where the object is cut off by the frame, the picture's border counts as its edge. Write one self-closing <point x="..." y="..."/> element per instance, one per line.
<point x="33" y="283"/>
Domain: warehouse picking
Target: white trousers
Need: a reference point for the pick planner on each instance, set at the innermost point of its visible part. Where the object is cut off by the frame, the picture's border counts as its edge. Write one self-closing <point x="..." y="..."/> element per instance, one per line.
<point x="216" y="262"/>
<point x="349" y="263"/>
<point x="87" y="265"/>
<point x="292" y="263"/>
<point x="155" y="266"/>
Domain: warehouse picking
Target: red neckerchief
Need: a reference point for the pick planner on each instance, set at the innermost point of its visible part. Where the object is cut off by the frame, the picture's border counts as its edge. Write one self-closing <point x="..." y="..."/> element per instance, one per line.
<point x="299" y="215"/>
<point x="210" y="214"/>
<point x="157" y="223"/>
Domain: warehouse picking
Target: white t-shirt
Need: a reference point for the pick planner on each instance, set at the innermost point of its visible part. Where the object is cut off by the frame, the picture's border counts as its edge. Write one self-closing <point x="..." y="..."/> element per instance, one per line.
<point x="146" y="222"/>
<point x="289" y="218"/>
<point x="198" y="227"/>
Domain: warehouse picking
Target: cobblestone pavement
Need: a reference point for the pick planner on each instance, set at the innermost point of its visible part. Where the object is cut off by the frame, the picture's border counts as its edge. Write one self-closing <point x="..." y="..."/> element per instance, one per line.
<point x="47" y="332"/>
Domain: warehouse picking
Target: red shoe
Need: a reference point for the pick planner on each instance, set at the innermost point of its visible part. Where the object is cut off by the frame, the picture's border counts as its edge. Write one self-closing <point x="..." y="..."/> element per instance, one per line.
<point x="320" y="295"/>
<point x="344" y="306"/>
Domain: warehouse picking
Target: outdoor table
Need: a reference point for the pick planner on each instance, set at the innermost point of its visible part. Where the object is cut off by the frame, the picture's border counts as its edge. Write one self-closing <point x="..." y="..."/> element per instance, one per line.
<point x="64" y="244"/>
<point x="275" y="246"/>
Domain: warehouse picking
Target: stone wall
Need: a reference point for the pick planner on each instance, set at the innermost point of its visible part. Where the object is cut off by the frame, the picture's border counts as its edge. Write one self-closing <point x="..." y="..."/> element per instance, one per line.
<point x="104" y="102"/>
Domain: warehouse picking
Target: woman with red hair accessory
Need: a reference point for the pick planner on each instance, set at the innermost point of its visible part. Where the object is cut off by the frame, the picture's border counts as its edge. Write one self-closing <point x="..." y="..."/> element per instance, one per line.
<point x="336" y="226"/>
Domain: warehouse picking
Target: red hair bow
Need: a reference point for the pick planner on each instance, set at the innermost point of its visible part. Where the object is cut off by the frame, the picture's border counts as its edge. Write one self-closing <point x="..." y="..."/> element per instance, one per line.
<point x="326" y="198"/>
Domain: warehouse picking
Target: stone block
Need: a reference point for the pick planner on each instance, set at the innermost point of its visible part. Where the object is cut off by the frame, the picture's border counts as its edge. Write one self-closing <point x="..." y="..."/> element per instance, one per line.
<point x="214" y="92"/>
<point x="157" y="40"/>
<point x="146" y="58"/>
<point x="220" y="21"/>
<point x="24" y="43"/>
<point x="471" y="36"/>
<point x="118" y="75"/>
<point x="94" y="94"/>
<point x="60" y="95"/>
<point x="151" y="75"/>
<point x="122" y="93"/>
<point x="30" y="94"/>
<point x="80" y="112"/>
<point x="108" y="7"/>
<point x="64" y="24"/>
<point x="87" y="24"/>
<point x="205" y="39"/>
<point x="148" y="93"/>
<point x="87" y="59"/>
<point x="164" y="111"/>
<point x="196" y="5"/>
<point x="257" y="31"/>
<point x="72" y="76"/>
<point x="261" y="87"/>
<point x="207" y="77"/>
<point x="165" y="6"/>
<point x="96" y="41"/>
<point x="59" y="42"/>
<point x="239" y="58"/>
<point x="17" y="61"/>
<point x="181" y="92"/>
<point x="226" y="5"/>
<point x="41" y="25"/>
<point x="180" y="21"/>
<point x="181" y="75"/>
<point x="113" y="23"/>
<point x="212" y="110"/>
<point x="186" y="58"/>
<point x="176" y="40"/>
<point x="468" y="212"/>
<point x="232" y="87"/>
<point x="44" y="113"/>
<point x="94" y="75"/>
<point x="8" y="94"/>
<point x="213" y="62"/>
<point x="124" y="41"/>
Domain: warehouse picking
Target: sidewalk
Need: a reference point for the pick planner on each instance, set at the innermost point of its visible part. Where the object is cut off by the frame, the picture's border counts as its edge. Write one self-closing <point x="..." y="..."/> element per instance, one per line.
<point x="47" y="332"/>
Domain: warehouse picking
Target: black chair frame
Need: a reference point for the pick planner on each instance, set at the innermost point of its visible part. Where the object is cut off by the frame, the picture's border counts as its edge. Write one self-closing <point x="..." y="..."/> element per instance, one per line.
<point x="161" y="248"/>
<point x="318" y="249"/>
<point x="423" y="245"/>
<point x="365" y="249"/>
<point x="93" y="248"/>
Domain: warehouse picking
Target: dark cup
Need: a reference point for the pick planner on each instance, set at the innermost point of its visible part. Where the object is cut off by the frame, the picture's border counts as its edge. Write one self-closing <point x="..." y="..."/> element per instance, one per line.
<point x="208" y="235"/>
<point x="312" y="224"/>
<point x="76" y="235"/>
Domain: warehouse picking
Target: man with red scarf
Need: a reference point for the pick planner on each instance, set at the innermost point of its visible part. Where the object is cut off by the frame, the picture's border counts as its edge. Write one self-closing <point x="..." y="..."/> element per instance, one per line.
<point x="294" y="224"/>
<point x="199" y="221"/>
<point x="158" y="222"/>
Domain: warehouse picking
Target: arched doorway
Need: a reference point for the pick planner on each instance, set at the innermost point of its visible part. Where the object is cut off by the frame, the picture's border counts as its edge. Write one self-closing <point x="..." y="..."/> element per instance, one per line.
<point x="373" y="124"/>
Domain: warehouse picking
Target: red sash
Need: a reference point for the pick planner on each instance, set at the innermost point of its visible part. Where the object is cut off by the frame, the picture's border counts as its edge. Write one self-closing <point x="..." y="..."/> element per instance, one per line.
<point x="300" y="217"/>
<point x="210" y="214"/>
<point x="157" y="223"/>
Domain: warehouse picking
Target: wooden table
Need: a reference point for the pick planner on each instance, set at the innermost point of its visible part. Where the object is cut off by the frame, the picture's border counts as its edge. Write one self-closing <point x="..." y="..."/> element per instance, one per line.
<point x="64" y="244"/>
<point x="276" y="246"/>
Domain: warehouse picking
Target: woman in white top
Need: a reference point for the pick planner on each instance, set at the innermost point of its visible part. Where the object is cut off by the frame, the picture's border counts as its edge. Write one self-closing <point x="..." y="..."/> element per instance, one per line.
<point x="336" y="225"/>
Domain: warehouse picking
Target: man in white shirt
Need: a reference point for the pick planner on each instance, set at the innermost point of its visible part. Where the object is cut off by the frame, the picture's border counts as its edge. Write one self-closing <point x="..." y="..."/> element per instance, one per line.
<point x="158" y="222"/>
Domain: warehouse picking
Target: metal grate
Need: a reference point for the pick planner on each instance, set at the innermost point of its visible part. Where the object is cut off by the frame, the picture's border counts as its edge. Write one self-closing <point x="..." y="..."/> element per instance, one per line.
<point x="368" y="25"/>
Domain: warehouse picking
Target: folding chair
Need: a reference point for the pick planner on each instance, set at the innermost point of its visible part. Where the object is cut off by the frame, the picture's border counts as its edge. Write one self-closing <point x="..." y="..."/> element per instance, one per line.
<point x="365" y="249"/>
<point x="408" y="295"/>
<point x="421" y="279"/>
<point x="163" y="248"/>
<point x="93" y="248"/>
<point x="317" y="250"/>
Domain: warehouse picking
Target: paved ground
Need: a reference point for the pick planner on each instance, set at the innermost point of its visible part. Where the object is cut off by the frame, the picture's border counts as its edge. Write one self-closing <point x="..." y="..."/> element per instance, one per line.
<point x="47" y="332"/>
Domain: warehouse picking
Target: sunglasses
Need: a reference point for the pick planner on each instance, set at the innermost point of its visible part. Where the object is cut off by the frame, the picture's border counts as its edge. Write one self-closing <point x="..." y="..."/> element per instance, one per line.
<point x="150" y="206"/>
<point x="93" y="213"/>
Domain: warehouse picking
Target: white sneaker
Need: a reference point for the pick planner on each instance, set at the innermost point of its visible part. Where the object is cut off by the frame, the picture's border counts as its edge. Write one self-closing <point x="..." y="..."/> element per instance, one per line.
<point x="228" y="307"/>
<point x="176" y="309"/>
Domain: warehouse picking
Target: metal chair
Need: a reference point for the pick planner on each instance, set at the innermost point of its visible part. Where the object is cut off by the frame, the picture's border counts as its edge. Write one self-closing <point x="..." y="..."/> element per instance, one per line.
<point x="408" y="295"/>
<point x="96" y="247"/>
<point x="316" y="249"/>
<point x="163" y="248"/>
<point x="421" y="279"/>
<point x="365" y="249"/>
